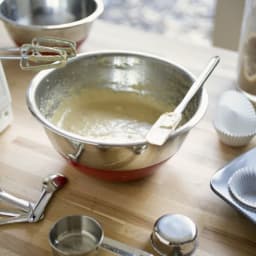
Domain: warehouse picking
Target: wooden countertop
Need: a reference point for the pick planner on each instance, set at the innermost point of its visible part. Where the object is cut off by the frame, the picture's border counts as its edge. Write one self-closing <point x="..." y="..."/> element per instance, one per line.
<point x="127" y="211"/>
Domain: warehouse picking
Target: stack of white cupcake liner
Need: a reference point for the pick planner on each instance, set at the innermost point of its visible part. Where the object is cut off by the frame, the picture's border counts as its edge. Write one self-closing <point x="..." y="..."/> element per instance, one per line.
<point x="235" y="119"/>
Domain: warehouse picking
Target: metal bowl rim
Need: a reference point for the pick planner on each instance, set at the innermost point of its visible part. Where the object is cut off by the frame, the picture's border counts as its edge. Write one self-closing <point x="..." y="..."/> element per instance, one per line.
<point x="88" y="19"/>
<point x="32" y="106"/>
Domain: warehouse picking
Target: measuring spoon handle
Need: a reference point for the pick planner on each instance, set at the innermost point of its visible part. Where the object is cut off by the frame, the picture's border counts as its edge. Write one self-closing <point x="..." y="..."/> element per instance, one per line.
<point x="40" y="206"/>
<point x="15" y="201"/>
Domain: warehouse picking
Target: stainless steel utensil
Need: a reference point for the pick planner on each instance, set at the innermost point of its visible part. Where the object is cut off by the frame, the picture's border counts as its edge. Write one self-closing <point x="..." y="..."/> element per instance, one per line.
<point x="174" y="235"/>
<point x="81" y="235"/>
<point x="15" y="201"/>
<point x="28" y="211"/>
<point x="42" y="53"/>
<point x="50" y="185"/>
<point x="15" y="216"/>
<point x="66" y="45"/>
<point x="167" y="122"/>
<point x="24" y="209"/>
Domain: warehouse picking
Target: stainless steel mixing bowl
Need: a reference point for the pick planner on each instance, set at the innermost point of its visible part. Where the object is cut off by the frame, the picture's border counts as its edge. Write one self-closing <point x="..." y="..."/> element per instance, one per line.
<point x="70" y="19"/>
<point x="122" y="71"/>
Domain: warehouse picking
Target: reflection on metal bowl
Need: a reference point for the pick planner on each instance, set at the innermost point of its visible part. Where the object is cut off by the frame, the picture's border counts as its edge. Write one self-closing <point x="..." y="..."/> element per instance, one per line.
<point x="69" y="19"/>
<point x="122" y="71"/>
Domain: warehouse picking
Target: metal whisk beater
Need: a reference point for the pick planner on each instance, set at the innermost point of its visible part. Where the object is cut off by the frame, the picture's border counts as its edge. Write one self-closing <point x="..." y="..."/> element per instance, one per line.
<point x="42" y="53"/>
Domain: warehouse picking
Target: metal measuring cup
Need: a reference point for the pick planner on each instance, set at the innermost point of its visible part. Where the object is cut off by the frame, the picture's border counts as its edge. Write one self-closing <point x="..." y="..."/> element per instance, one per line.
<point x="82" y="235"/>
<point x="174" y="235"/>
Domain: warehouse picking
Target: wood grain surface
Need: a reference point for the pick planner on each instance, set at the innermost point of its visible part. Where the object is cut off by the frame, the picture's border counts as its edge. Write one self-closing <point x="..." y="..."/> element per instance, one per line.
<point x="127" y="211"/>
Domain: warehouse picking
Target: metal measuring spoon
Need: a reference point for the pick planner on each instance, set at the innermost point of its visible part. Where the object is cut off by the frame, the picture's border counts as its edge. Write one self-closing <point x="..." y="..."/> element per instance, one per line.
<point x="51" y="184"/>
<point x="16" y="201"/>
<point x="31" y="212"/>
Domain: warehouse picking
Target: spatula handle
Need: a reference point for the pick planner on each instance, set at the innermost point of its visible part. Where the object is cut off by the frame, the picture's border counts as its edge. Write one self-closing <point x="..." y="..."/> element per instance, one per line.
<point x="197" y="84"/>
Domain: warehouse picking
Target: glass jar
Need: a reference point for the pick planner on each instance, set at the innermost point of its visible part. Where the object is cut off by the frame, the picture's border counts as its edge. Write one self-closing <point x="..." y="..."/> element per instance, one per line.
<point x="247" y="52"/>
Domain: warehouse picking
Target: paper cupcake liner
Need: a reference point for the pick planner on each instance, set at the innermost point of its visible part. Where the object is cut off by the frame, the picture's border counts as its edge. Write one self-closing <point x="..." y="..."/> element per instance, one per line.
<point x="242" y="186"/>
<point x="236" y="101"/>
<point x="233" y="140"/>
<point x="235" y="119"/>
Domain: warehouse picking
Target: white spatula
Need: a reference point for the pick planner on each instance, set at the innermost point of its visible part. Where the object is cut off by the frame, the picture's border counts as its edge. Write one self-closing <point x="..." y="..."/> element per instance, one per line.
<point x="167" y="122"/>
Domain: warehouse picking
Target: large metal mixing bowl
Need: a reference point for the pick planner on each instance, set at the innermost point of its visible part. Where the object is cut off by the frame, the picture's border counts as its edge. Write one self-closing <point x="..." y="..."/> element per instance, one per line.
<point x="69" y="19"/>
<point x="121" y="71"/>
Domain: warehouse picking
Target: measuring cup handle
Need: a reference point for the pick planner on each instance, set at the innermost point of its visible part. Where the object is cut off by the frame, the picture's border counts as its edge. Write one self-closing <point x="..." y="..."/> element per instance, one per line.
<point x="105" y="252"/>
<point x="119" y="248"/>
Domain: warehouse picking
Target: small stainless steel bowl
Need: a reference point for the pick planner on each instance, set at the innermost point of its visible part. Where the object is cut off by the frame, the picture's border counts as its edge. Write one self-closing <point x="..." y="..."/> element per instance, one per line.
<point x="124" y="71"/>
<point x="70" y="19"/>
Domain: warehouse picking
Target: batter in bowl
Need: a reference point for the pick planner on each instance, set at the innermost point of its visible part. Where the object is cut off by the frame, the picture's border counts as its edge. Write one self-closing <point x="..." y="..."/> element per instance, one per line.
<point x="108" y="115"/>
